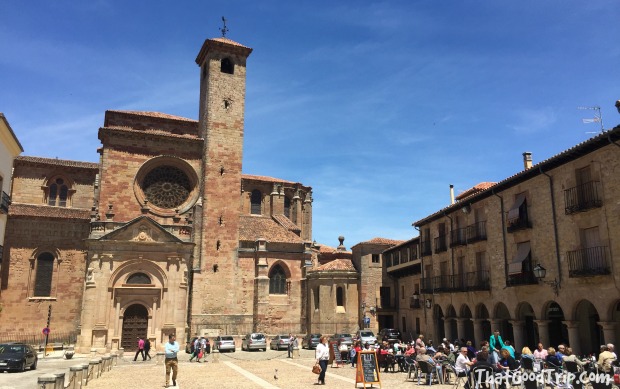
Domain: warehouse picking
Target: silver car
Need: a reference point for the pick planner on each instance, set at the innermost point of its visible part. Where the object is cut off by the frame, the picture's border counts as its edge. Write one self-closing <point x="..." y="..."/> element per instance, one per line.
<point x="279" y="342"/>
<point x="254" y="341"/>
<point x="366" y="336"/>
<point x="224" y="343"/>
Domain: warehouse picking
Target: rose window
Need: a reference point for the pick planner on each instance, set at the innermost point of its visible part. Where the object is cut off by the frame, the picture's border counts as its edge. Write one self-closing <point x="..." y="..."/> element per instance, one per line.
<point x="166" y="187"/>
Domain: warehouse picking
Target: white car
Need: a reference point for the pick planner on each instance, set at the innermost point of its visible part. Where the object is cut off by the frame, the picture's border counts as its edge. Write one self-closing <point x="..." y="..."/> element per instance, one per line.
<point x="366" y="336"/>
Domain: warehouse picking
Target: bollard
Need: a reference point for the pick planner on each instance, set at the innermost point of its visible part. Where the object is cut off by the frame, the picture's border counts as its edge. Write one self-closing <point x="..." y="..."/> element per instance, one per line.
<point x="46" y="381"/>
<point x="60" y="380"/>
<point x="106" y="362"/>
<point x="93" y="369"/>
<point x="85" y="378"/>
<point x="75" y="377"/>
<point x="93" y="352"/>
<point x="216" y="355"/>
<point x="114" y="359"/>
<point x="121" y="352"/>
<point x="99" y="372"/>
<point x="159" y="358"/>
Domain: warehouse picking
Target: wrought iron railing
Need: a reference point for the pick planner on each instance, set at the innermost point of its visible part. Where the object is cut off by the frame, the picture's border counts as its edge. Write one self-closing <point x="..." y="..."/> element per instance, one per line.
<point x="440" y="244"/>
<point x="521" y="223"/>
<point x="470" y="281"/>
<point x="526" y="278"/>
<point x="477" y="232"/>
<point x="414" y="303"/>
<point x="458" y="237"/>
<point x="5" y="202"/>
<point x="588" y="262"/>
<point x="583" y="197"/>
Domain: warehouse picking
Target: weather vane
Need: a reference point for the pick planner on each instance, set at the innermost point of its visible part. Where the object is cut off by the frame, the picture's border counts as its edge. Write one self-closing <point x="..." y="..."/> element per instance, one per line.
<point x="224" y="29"/>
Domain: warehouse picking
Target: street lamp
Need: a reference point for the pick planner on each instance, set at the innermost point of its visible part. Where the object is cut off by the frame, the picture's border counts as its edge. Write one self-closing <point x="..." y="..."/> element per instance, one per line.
<point x="540" y="273"/>
<point x="416" y="300"/>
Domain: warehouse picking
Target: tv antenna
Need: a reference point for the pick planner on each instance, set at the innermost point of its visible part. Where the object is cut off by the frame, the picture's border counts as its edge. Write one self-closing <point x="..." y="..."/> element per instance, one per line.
<point x="598" y="116"/>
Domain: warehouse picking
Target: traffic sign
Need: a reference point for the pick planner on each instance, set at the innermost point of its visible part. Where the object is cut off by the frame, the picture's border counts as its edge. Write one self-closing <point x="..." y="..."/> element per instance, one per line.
<point x="46" y="331"/>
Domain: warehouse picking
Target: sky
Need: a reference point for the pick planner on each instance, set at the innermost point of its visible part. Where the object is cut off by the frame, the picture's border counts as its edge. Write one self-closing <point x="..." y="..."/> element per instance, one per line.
<point x="377" y="105"/>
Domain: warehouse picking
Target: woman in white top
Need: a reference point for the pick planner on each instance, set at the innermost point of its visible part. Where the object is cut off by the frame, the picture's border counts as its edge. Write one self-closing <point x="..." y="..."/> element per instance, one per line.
<point x="322" y="356"/>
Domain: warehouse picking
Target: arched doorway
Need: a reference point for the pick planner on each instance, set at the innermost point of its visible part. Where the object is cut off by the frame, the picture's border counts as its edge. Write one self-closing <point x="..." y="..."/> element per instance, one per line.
<point x="590" y="336"/>
<point x="135" y="324"/>
<point x="502" y="322"/>
<point x="558" y="333"/>
<point x="439" y="320"/>
<point x="468" y="326"/>
<point x="482" y="313"/>
<point x="453" y="329"/>
<point x="525" y="312"/>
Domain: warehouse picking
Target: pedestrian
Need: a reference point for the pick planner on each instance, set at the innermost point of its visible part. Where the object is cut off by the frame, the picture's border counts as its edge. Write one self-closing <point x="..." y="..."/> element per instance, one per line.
<point x="196" y="350"/>
<point x="203" y="349"/>
<point x="140" y="349"/>
<point x="291" y="339"/>
<point x="322" y="356"/>
<point x="495" y="345"/>
<point x="207" y="346"/>
<point x="172" y="363"/>
<point x="147" y="348"/>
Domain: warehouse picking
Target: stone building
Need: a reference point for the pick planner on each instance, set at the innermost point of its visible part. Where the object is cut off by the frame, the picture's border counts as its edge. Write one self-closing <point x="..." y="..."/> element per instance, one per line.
<point x="483" y="256"/>
<point x="9" y="149"/>
<point x="165" y="233"/>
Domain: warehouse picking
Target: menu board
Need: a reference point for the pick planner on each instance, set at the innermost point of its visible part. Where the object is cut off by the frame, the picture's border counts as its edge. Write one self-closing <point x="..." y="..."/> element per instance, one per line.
<point x="334" y="354"/>
<point x="367" y="368"/>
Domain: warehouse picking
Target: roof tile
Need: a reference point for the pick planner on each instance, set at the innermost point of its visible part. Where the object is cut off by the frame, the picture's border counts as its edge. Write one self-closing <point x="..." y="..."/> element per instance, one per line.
<point x="58" y="162"/>
<point x="339" y="264"/>
<point x="253" y="227"/>
<point x="48" y="211"/>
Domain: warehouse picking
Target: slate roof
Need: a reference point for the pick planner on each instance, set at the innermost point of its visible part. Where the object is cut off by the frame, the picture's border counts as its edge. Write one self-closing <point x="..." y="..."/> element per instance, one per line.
<point x="252" y="227"/>
<point x="57" y="162"/>
<point x="48" y="211"/>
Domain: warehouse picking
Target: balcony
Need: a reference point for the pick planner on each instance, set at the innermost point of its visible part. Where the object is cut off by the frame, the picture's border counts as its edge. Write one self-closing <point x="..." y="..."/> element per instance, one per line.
<point x="588" y="262"/>
<point x="477" y="232"/>
<point x="5" y="202"/>
<point x="583" y="197"/>
<point x="458" y="237"/>
<point x="415" y="303"/>
<point x="440" y="244"/>
<point x="525" y="278"/>
<point x="425" y="248"/>
<point x="521" y="223"/>
<point x="467" y="282"/>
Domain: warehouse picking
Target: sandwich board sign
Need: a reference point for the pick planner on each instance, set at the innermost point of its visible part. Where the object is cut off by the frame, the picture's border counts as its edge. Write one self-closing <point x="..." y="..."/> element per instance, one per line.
<point x="367" y="369"/>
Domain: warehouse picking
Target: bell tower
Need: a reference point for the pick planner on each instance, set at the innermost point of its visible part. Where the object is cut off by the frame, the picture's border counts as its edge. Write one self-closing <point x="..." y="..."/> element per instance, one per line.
<point x="222" y="65"/>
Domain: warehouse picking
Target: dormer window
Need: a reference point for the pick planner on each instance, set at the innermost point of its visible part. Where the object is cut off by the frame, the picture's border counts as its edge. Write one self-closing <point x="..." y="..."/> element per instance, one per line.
<point x="227" y="66"/>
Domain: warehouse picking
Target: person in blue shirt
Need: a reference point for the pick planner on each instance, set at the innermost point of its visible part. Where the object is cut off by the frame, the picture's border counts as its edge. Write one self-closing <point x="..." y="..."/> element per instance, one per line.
<point x="495" y="345"/>
<point x="509" y="347"/>
<point x="172" y="363"/>
<point x="561" y="351"/>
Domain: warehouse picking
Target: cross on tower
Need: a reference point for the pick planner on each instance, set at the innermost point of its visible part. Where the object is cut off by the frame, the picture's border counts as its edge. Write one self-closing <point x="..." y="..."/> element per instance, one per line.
<point x="224" y="29"/>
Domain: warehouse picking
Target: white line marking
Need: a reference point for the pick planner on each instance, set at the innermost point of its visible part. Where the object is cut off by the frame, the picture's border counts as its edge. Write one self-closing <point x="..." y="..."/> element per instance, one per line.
<point x="250" y="376"/>
<point x="336" y="376"/>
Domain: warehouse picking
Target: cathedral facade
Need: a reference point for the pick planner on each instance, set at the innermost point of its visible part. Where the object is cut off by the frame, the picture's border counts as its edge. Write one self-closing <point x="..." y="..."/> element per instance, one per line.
<point x="165" y="234"/>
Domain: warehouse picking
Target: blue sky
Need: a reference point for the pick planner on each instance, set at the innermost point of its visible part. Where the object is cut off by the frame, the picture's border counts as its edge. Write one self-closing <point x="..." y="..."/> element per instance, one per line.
<point x="379" y="106"/>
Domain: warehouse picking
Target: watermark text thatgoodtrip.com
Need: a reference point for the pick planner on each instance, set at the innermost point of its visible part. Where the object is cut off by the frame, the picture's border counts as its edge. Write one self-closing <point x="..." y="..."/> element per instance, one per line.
<point x="517" y="377"/>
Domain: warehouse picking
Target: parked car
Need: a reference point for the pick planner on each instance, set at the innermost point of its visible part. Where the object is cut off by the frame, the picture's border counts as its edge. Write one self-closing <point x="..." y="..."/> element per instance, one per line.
<point x="310" y="341"/>
<point x="389" y="334"/>
<point x="254" y="341"/>
<point x="224" y="343"/>
<point x="366" y="336"/>
<point x="17" y="356"/>
<point x="342" y="338"/>
<point x="279" y="342"/>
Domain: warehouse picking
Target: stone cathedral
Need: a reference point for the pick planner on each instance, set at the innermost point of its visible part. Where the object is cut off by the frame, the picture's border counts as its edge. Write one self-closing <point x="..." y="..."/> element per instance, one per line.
<point x="165" y="234"/>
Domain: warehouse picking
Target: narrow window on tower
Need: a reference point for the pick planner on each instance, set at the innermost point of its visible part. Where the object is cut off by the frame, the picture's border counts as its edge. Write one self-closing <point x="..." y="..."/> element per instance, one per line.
<point x="227" y="66"/>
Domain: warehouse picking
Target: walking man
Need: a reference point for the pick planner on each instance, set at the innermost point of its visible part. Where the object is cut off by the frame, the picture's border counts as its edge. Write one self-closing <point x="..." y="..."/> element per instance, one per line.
<point x="291" y="340"/>
<point x="171" y="350"/>
<point x="147" y="348"/>
<point x="140" y="349"/>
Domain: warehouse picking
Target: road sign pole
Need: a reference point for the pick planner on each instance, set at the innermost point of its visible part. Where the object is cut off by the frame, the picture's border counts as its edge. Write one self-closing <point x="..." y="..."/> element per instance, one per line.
<point x="47" y="333"/>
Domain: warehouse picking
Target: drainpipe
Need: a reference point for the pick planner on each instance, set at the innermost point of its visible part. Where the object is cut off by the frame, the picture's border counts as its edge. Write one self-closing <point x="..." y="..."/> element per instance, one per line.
<point x="422" y="279"/>
<point x="555" y="225"/>
<point x="451" y="249"/>
<point x="501" y="202"/>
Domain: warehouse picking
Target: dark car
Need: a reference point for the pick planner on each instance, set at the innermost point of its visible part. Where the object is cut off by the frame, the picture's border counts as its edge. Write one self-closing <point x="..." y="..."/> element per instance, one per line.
<point x="389" y="334"/>
<point x="17" y="356"/>
<point x="310" y="341"/>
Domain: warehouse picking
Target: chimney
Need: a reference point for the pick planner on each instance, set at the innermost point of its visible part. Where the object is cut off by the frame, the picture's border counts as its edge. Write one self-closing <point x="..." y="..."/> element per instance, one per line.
<point x="451" y="194"/>
<point x="527" y="160"/>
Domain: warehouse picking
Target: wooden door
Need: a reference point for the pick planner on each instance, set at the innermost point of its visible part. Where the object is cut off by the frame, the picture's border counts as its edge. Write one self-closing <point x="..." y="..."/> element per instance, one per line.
<point x="135" y="324"/>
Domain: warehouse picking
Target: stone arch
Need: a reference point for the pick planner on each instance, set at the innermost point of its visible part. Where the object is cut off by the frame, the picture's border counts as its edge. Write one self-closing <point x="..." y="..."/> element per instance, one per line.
<point x="501" y="321"/>
<point x="283" y="265"/>
<point x="467" y="325"/>
<point x="135" y="324"/>
<point x="451" y="322"/>
<point x="590" y="335"/>
<point x="481" y="311"/>
<point x="438" y="321"/>
<point x="158" y="277"/>
<point x="558" y="332"/>
<point x="524" y="313"/>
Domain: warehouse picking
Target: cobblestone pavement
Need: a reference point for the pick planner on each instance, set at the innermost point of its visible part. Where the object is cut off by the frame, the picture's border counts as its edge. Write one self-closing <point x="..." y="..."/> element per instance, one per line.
<point x="240" y="370"/>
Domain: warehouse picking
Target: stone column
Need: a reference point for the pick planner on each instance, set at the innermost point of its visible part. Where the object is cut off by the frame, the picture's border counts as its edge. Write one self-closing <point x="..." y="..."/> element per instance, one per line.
<point x="117" y="319"/>
<point x="543" y="332"/>
<point x="261" y="287"/>
<point x="573" y="336"/>
<point x="478" y="335"/>
<point x="609" y="331"/>
<point x="517" y="330"/>
<point x="460" y="326"/>
<point x="154" y="324"/>
<point x="447" y="328"/>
